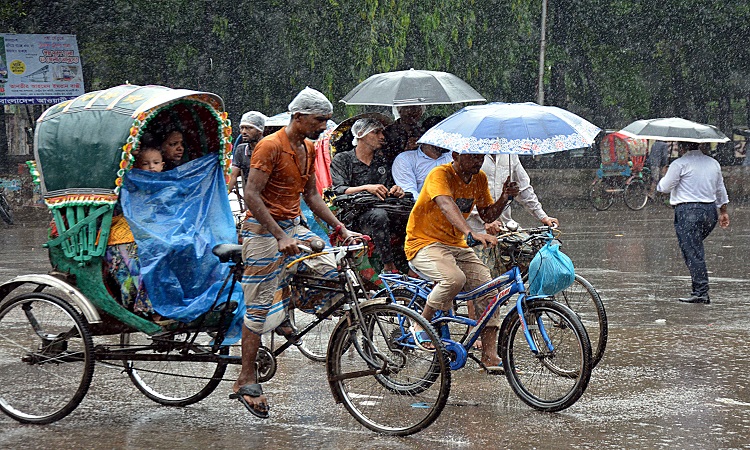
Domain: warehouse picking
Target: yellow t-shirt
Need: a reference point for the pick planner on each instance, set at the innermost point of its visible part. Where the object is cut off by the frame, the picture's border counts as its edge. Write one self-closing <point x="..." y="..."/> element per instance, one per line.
<point x="427" y="224"/>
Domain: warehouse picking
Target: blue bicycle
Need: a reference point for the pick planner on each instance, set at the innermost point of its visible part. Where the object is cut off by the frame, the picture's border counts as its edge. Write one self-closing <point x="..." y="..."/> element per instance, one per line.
<point x="544" y="346"/>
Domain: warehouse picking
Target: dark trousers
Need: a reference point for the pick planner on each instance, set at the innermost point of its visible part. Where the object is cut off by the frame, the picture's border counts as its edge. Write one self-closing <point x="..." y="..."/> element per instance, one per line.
<point x="693" y="222"/>
<point x="377" y="224"/>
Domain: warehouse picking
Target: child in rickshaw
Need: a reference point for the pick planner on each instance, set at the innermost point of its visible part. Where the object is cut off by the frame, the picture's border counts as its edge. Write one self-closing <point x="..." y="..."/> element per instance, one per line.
<point x="121" y="257"/>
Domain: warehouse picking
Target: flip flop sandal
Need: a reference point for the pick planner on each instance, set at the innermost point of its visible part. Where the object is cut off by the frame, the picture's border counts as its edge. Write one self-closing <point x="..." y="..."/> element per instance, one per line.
<point x="251" y="390"/>
<point x="493" y="370"/>
<point x="421" y="337"/>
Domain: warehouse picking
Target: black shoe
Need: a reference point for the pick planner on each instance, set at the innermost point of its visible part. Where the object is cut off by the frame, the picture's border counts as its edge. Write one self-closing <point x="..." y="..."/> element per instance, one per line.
<point x="696" y="299"/>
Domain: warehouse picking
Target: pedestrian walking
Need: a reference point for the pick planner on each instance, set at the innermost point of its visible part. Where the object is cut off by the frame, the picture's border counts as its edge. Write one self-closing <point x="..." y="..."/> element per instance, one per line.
<point x="699" y="198"/>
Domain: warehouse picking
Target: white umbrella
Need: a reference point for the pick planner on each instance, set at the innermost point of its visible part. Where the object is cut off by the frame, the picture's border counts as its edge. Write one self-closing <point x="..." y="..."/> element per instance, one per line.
<point x="412" y="87"/>
<point x="674" y="129"/>
<point x="511" y="128"/>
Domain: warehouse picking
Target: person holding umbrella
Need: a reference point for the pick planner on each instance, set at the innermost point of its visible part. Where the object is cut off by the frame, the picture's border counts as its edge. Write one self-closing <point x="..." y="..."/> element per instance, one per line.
<point x="696" y="190"/>
<point x="402" y="135"/>
<point x="438" y="240"/>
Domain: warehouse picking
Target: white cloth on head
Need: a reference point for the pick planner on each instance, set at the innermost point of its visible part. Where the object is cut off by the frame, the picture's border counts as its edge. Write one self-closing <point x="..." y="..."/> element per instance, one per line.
<point x="310" y="101"/>
<point x="362" y="127"/>
<point x="254" y="119"/>
<point x="497" y="168"/>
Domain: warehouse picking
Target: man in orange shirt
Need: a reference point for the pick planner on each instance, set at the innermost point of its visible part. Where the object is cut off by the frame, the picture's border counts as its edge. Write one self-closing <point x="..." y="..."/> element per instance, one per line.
<point x="282" y="167"/>
<point x="436" y="241"/>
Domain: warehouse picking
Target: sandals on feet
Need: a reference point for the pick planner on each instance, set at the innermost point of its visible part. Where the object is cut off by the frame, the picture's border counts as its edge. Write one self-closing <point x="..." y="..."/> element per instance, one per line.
<point x="421" y="338"/>
<point x="251" y="390"/>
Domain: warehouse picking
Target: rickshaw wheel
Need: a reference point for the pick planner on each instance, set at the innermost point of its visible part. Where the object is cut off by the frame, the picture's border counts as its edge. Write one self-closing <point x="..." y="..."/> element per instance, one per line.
<point x="314" y="344"/>
<point x="46" y="354"/>
<point x="600" y="198"/>
<point x="636" y="194"/>
<point x="173" y="383"/>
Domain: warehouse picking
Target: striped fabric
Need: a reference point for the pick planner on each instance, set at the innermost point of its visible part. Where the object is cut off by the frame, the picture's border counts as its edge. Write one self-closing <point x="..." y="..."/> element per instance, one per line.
<point x="265" y="280"/>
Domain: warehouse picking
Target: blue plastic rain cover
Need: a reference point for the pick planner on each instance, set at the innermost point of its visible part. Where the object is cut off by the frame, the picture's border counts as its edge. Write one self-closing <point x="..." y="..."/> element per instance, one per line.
<point x="551" y="271"/>
<point x="177" y="217"/>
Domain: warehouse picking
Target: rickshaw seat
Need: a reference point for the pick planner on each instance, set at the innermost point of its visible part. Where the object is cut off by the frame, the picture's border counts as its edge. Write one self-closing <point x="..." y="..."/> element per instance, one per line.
<point x="83" y="231"/>
<point x="228" y="252"/>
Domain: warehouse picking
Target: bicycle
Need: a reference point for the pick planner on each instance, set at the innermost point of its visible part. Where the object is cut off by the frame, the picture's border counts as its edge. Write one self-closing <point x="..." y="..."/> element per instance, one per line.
<point x="544" y="348"/>
<point x="5" y="212"/>
<point x="377" y="378"/>
<point x="633" y="188"/>
<point x="581" y="296"/>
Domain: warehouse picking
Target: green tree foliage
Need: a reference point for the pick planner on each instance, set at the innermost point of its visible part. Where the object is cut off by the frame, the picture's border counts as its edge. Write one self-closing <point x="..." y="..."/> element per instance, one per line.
<point x="611" y="61"/>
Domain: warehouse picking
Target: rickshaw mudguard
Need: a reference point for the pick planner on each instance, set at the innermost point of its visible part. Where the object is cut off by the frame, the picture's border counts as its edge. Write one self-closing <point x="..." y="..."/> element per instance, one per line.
<point x="73" y="295"/>
<point x="89" y="282"/>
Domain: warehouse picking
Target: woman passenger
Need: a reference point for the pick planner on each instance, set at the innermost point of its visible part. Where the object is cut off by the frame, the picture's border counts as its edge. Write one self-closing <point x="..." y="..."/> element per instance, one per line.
<point x="173" y="148"/>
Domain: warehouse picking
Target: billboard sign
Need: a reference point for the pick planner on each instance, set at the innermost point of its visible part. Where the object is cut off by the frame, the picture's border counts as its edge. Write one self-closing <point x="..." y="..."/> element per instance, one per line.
<point x="39" y="68"/>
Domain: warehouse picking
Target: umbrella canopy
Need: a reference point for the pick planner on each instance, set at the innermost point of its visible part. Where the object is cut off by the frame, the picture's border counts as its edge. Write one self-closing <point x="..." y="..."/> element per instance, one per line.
<point x="674" y="129"/>
<point x="511" y="128"/>
<point x="412" y="87"/>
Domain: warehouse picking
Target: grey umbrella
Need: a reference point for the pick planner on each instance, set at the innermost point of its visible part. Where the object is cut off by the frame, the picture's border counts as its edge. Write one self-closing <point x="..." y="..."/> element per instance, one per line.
<point x="412" y="87"/>
<point x="674" y="129"/>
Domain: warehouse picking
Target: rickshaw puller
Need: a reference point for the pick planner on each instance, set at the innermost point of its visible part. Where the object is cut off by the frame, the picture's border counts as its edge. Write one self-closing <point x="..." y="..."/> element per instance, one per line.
<point x="281" y="168"/>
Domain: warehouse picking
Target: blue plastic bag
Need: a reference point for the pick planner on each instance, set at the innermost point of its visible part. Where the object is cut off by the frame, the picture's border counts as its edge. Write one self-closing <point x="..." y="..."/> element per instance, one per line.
<point x="550" y="271"/>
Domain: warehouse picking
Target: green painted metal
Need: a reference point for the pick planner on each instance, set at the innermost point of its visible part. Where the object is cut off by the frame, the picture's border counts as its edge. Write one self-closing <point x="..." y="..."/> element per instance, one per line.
<point x="89" y="282"/>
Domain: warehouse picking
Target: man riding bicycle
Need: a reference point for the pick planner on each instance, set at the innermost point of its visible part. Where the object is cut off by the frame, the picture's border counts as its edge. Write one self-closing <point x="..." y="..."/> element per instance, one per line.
<point x="436" y="241"/>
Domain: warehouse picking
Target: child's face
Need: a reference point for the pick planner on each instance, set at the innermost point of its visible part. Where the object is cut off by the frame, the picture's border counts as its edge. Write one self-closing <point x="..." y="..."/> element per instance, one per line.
<point x="150" y="160"/>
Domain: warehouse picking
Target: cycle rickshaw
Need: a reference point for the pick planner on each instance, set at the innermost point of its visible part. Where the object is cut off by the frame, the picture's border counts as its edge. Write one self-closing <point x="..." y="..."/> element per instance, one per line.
<point x="621" y="173"/>
<point x="55" y="328"/>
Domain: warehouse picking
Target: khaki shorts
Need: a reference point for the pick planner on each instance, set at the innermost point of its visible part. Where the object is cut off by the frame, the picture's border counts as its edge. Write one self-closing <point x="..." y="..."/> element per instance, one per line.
<point x="454" y="269"/>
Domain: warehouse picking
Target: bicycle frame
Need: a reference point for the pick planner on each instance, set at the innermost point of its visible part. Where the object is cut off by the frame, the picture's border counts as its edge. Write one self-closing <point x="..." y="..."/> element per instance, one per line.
<point x="510" y="283"/>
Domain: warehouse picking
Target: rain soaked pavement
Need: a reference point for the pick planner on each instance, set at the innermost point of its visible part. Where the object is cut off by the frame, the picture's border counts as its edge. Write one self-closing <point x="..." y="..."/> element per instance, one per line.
<point x="673" y="376"/>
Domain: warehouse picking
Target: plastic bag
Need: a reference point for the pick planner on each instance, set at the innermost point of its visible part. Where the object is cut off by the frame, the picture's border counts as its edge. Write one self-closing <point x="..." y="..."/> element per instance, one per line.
<point x="550" y="271"/>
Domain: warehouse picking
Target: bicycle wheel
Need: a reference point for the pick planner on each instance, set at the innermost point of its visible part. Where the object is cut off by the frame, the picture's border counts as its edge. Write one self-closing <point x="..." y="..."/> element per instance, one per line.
<point x="173" y="383"/>
<point x="412" y="385"/>
<point x="636" y="194"/>
<point x="600" y="198"/>
<point x="585" y="302"/>
<point x="46" y="358"/>
<point x="557" y="376"/>
<point x="315" y="343"/>
<point x="5" y="211"/>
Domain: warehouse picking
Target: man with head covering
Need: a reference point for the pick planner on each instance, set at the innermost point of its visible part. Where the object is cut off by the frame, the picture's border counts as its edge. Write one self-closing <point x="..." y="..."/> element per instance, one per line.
<point x="281" y="169"/>
<point x="251" y="130"/>
<point x="402" y="135"/>
<point x="366" y="169"/>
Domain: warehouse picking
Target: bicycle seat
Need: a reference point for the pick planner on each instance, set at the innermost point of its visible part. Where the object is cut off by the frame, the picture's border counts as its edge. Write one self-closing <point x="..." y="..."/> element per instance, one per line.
<point x="228" y="252"/>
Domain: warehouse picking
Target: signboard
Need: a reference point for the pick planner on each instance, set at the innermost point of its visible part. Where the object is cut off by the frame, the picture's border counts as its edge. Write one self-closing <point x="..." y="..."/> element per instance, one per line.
<point x="39" y="68"/>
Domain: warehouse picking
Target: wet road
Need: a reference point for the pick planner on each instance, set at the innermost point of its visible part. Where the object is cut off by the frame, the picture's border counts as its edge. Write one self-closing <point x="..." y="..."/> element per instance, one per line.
<point x="674" y="375"/>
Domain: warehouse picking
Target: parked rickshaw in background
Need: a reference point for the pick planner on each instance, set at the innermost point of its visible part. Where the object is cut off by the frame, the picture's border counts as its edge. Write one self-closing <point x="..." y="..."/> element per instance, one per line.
<point x="622" y="173"/>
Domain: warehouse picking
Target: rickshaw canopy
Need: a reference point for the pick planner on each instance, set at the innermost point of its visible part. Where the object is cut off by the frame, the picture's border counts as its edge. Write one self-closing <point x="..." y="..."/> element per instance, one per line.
<point x="619" y="149"/>
<point x="84" y="146"/>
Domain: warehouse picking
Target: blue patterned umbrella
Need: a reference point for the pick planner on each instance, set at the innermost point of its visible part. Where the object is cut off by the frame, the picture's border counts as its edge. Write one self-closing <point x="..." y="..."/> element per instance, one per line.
<point x="511" y="128"/>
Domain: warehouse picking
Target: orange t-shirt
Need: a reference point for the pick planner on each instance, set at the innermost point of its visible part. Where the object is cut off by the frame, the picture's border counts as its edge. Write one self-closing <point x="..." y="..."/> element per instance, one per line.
<point x="427" y="223"/>
<point x="275" y="156"/>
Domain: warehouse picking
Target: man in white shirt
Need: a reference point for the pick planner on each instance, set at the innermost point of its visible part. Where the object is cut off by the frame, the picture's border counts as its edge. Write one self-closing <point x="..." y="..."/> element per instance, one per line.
<point x="410" y="168"/>
<point x="697" y="191"/>
<point x="498" y="168"/>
